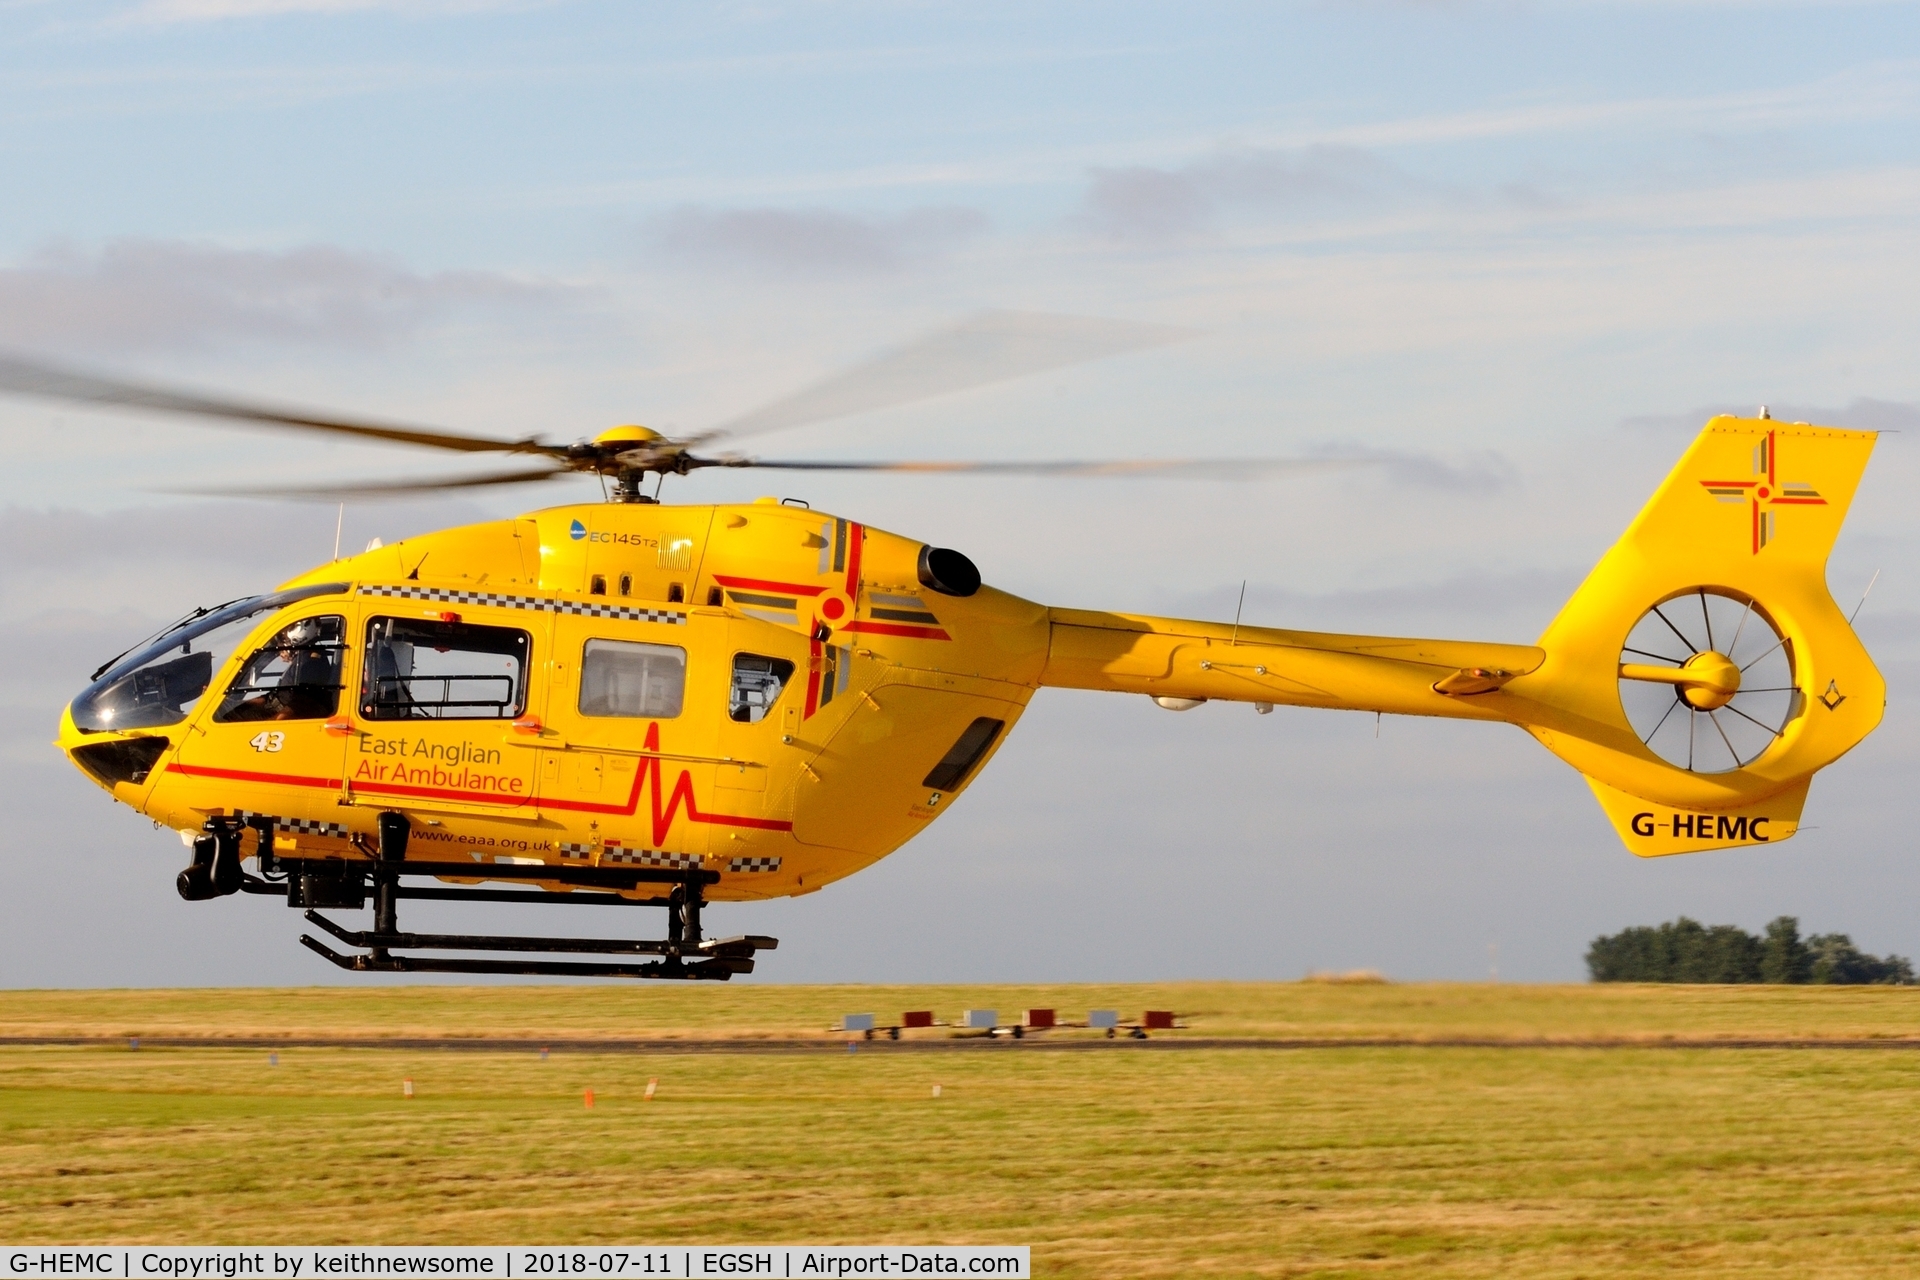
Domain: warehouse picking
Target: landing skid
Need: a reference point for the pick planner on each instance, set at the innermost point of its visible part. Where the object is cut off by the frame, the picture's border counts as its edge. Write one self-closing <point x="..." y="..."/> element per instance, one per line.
<point x="715" y="960"/>
<point x="337" y="884"/>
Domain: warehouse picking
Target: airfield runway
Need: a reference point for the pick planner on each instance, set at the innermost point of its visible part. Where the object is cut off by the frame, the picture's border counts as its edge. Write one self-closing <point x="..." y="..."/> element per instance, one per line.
<point x="957" y="1044"/>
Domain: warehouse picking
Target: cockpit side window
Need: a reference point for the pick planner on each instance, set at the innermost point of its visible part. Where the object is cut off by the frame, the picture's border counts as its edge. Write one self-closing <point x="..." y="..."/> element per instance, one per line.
<point x="420" y="670"/>
<point x="160" y="683"/>
<point x="294" y="676"/>
<point x="757" y="682"/>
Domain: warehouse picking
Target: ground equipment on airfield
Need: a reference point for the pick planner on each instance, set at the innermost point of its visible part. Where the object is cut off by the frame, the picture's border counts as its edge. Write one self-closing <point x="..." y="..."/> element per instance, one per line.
<point x="636" y="704"/>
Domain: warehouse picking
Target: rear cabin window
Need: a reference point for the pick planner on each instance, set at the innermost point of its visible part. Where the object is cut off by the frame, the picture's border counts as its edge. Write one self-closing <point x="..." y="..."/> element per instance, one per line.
<point x="964" y="754"/>
<point x="757" y="682"/>
<point x="620" y="678"/>
<point x="294" y="676"/>
<point x="422" y="670"/>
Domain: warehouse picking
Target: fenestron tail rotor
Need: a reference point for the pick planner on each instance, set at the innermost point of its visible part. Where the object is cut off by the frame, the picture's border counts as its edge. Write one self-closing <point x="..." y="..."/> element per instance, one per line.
<point x="986" y="349"/>
<point x="1707" y="680"/>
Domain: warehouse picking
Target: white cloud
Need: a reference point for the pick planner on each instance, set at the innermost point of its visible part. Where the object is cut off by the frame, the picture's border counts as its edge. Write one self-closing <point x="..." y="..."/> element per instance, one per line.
<point x="169" y="296"/>
<point x="173" y="11"/>
<point x="812" y="240"/>
<point x="1862" y="415"/>
<point x="1146" y="203"/>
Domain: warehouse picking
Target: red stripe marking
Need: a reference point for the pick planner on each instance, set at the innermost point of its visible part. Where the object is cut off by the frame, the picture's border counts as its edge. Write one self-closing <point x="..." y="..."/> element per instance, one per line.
<point x="1729" y="484"/>
<point x="504" y="799"/>
<point x="1770" y="458"/>
<point x="663" y="815"/>
<point x="764" y="584"/>
<point x="1800" y="502"/>
<point x="894" y="629"/>
<point x="244" y="775"/>
<point x="855" y="536"/>
<point x="813" y="678"/>
<point x="1756" y="528"/>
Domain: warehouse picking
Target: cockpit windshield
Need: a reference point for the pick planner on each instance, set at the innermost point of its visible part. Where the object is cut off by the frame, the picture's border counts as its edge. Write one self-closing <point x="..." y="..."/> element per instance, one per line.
<point x="159" y="684"/>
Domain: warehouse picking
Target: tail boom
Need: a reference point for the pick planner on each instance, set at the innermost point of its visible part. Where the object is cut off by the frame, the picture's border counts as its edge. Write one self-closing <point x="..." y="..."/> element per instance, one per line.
<point x="1178" y="658"/>
<point x="1749" y="515"/>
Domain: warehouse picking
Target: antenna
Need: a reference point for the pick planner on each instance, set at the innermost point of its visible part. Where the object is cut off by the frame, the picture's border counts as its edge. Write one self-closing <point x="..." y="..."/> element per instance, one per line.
<point x="338" y="521"/>
<point x="1236" y="614"/>
<point x="1863" y="597"/>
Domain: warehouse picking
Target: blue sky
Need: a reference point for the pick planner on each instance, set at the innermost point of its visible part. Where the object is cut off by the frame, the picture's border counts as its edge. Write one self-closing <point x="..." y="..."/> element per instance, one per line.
<point x="1520" y="251"/>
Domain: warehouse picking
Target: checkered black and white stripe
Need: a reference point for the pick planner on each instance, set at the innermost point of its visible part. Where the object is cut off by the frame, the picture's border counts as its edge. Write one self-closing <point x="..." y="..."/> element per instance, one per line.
<point x="447" y="595"/>
<point x="754" y="864"/>
<point x="647" y="858"/>
<point x="300" y="826"/>
<point x="588" y="610"/>
<point x="577" y="851"/>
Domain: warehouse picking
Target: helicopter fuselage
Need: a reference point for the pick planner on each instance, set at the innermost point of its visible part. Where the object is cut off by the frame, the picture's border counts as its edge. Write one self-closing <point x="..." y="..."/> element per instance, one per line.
<point x="761" y="699"/>
<point x="762" y="691"/>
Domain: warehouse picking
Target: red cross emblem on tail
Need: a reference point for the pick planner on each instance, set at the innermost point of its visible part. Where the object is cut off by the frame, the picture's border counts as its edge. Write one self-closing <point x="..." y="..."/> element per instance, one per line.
<point x="1762" y="494"/>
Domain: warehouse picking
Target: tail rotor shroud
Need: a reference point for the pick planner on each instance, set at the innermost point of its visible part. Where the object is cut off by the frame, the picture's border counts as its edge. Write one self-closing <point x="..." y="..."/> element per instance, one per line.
<point x="1743" y="693"/>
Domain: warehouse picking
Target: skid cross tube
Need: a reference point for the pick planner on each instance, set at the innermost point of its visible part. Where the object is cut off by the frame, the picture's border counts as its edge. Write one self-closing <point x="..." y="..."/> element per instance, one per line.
<point x="434" y="894"/>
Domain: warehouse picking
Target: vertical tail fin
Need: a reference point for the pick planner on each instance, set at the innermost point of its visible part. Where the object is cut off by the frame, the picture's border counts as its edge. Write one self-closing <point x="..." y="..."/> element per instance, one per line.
<point x="1703" y="668"/>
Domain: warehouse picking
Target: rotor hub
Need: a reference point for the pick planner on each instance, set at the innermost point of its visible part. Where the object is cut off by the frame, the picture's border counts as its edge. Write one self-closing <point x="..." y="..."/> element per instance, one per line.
<point x="628" y="435"/>
<point x="1713" y="682"/>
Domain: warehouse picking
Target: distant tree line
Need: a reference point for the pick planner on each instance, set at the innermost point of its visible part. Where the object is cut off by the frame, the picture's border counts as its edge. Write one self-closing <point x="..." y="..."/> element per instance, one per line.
<point x="1685" y="950"/>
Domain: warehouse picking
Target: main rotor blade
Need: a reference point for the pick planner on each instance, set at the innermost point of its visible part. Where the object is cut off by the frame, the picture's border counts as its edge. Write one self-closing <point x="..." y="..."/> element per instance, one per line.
<point x="995" y="346"/>
<point x="385" y="489"/>
<point x="1175" y="468"/>
<point x="30" y="377"/>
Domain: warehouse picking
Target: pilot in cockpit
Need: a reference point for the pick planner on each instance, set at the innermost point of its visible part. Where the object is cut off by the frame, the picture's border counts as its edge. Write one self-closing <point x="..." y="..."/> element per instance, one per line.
<point x="295" y="676"/>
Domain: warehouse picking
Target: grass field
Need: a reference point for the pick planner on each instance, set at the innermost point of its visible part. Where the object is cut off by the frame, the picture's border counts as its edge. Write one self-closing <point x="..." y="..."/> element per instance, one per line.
<point x="1395" y="1161"/>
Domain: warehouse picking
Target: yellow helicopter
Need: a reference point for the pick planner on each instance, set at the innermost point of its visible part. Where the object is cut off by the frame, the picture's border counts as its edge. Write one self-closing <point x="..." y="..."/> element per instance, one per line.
<point x="632" y="703"/>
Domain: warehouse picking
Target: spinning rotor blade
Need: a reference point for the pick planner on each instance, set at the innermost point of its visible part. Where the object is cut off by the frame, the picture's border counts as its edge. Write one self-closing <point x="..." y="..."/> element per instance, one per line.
<point x="29" y="377"/>
<point x="1181" y="468"/>
<point x="995" y="346"/>
<point x="386" y="489"/>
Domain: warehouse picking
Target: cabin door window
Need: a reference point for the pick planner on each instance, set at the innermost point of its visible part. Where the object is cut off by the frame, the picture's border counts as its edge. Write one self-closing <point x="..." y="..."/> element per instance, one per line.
<point x="623" y="678"/>
<point x="426" y="670"/>
<point x="757" y="683"/>
<point x="433" y="694"/>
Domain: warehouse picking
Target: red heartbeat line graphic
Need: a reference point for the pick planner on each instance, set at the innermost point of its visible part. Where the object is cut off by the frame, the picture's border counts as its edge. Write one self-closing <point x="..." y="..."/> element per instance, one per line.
<point x="664" y="809"/>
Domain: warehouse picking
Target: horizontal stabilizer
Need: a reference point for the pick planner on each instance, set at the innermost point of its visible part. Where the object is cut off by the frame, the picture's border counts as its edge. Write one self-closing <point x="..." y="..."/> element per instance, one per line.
<point x="1468" y="681"/>
<point x="1655" y="830"/>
